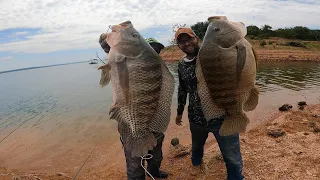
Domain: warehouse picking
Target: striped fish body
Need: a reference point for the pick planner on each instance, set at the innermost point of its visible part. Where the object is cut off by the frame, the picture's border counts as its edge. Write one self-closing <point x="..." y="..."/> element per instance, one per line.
<point x="226" y="73"/>
<point x="142" y="89"/>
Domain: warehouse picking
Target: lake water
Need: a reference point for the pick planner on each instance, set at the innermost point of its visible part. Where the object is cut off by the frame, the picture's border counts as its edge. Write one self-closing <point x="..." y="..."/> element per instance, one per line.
<point x="72" y="90"/>
<point x="39" y="102"/>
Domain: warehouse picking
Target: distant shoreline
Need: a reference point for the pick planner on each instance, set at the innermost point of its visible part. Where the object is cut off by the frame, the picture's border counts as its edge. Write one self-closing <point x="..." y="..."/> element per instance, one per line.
<point x="37" y="67"/>
<point x="274" y="50"/>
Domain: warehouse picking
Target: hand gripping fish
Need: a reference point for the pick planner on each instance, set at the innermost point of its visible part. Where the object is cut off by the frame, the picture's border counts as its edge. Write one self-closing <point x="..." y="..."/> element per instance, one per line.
<point x="142" y="88"/>
<point x="226" y="73"/>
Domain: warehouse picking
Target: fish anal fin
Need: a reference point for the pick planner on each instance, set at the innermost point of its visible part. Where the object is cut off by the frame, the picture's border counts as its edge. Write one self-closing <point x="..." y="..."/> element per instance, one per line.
<point x="241" y="59"/>
<point x="253" y="100"/>
<point x="105" y="75"/>
<point x="234" y="123"/>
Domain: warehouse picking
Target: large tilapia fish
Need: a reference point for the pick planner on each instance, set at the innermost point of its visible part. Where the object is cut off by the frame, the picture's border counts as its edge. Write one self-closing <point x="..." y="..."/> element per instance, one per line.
<point x="226" y="73"/>
<point x="142" y="88"/>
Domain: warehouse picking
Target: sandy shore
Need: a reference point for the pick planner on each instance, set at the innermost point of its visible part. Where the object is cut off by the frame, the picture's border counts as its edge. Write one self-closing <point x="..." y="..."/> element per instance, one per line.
<point x="294" y="155"/>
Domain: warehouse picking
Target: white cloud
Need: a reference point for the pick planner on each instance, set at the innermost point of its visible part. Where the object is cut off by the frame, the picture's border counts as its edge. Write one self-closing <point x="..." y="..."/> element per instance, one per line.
<point x="77" y="24"/>
<point x="6" y="58"/>
<point x="22" y="33"/>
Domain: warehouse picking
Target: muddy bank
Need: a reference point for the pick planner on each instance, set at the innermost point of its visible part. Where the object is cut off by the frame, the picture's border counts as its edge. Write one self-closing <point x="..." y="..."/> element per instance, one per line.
<point x="291" y="154"/>
<point x="284" y="147"/>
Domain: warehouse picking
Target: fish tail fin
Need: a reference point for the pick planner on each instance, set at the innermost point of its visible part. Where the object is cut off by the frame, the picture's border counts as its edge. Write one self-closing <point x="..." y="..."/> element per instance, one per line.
<point x="252" y="101"/>
<point x="140" y="146"/>
<point x="105" y="75"/>
<point x="234" y="123"/>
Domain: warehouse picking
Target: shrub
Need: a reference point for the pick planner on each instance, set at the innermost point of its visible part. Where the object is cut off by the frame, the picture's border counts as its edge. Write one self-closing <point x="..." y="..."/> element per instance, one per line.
<point x="296" y="44"/>
<point x="263" y="43"/>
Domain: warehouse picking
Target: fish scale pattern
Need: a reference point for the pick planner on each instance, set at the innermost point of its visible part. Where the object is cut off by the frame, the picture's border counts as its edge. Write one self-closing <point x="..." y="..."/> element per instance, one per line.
<point x="226" y="73"/>
<point x="141" y="105"/>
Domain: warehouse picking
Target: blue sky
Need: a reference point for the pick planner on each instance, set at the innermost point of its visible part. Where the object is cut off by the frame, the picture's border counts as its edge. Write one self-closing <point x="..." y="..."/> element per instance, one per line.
<point x="35" y="32"/>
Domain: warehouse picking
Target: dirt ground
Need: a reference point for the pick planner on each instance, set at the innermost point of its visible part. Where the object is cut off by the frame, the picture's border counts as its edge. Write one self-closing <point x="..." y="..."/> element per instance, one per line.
<point x="284" y="147"/>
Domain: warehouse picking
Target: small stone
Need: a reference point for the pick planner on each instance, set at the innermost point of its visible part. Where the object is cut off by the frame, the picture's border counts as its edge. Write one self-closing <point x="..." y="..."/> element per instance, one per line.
<point x="61" y="174"/>
<point x="301" y="107"/>
<point x="315" y="115"/>
<point x="37" y="178"/>
<point x="297" y="152"/>
<point x="316" y="129"/>
<point x="243" y="139"/>
<point x="179" y="150"/>
<point x="285" y="107"/>
<point x="302" y="103"/>
<point x="312" y="124"/>
<point x="174" y="141"/>
<point x="306" y="133"/>
<point x="16" y="178"/>
<point x="219" y="157"/>
<point x="276" y="132"/>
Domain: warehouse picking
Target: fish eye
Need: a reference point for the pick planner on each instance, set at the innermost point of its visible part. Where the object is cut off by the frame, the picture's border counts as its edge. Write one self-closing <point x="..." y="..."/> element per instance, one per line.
<point x="216" y="29"/>
<point x="135" y="35"/>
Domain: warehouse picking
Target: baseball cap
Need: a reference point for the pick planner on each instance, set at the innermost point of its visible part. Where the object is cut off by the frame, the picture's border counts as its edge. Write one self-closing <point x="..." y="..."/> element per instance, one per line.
<point x="155" y="44"/>
<point x="150" y="40"/>
<point x="184" y="30"/>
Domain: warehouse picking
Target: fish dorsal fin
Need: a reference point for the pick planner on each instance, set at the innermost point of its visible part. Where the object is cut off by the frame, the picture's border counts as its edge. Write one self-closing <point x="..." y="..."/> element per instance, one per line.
<point x="220" y="18"/>
<point x="123" y="75"/>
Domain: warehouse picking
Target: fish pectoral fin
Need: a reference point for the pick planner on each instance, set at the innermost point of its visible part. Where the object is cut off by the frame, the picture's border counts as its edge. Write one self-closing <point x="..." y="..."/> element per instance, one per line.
<point x="234" y="123"/>
<point x="141" y="145"/>
<point x="123" y="74"/>
<point x="253" y="100"/>
<point x="105" y="75"/>
<point x="106" y="66"/>
<point x="241" y="59"/>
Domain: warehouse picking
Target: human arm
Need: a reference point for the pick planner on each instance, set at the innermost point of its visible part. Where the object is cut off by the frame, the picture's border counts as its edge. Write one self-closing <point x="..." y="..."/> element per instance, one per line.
<point x="182" y="97"/>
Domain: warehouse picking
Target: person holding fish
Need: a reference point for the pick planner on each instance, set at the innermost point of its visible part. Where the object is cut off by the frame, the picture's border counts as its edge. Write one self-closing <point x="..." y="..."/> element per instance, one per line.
<point x="224" y="119"/>
<point x="141" y="100"/>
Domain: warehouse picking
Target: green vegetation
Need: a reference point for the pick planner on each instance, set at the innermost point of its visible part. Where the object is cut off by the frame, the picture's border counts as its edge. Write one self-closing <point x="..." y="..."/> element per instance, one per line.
<point x="295" y="44"/>
<point x="200" y="28"/>
<point x="263" y="43"/>
<point x="265" y="32"/>
<point x="297" y="32"/>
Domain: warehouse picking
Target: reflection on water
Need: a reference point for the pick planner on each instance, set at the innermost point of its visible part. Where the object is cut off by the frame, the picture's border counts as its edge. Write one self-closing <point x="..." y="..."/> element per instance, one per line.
<point x="279" y="83"/>
<point x="275" y="76"/>
<point x="295" y="76"/>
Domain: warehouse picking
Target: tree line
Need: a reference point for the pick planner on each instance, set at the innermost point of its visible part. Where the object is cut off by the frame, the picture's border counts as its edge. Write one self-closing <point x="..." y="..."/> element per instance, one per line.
<point x="265" y="32"/>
